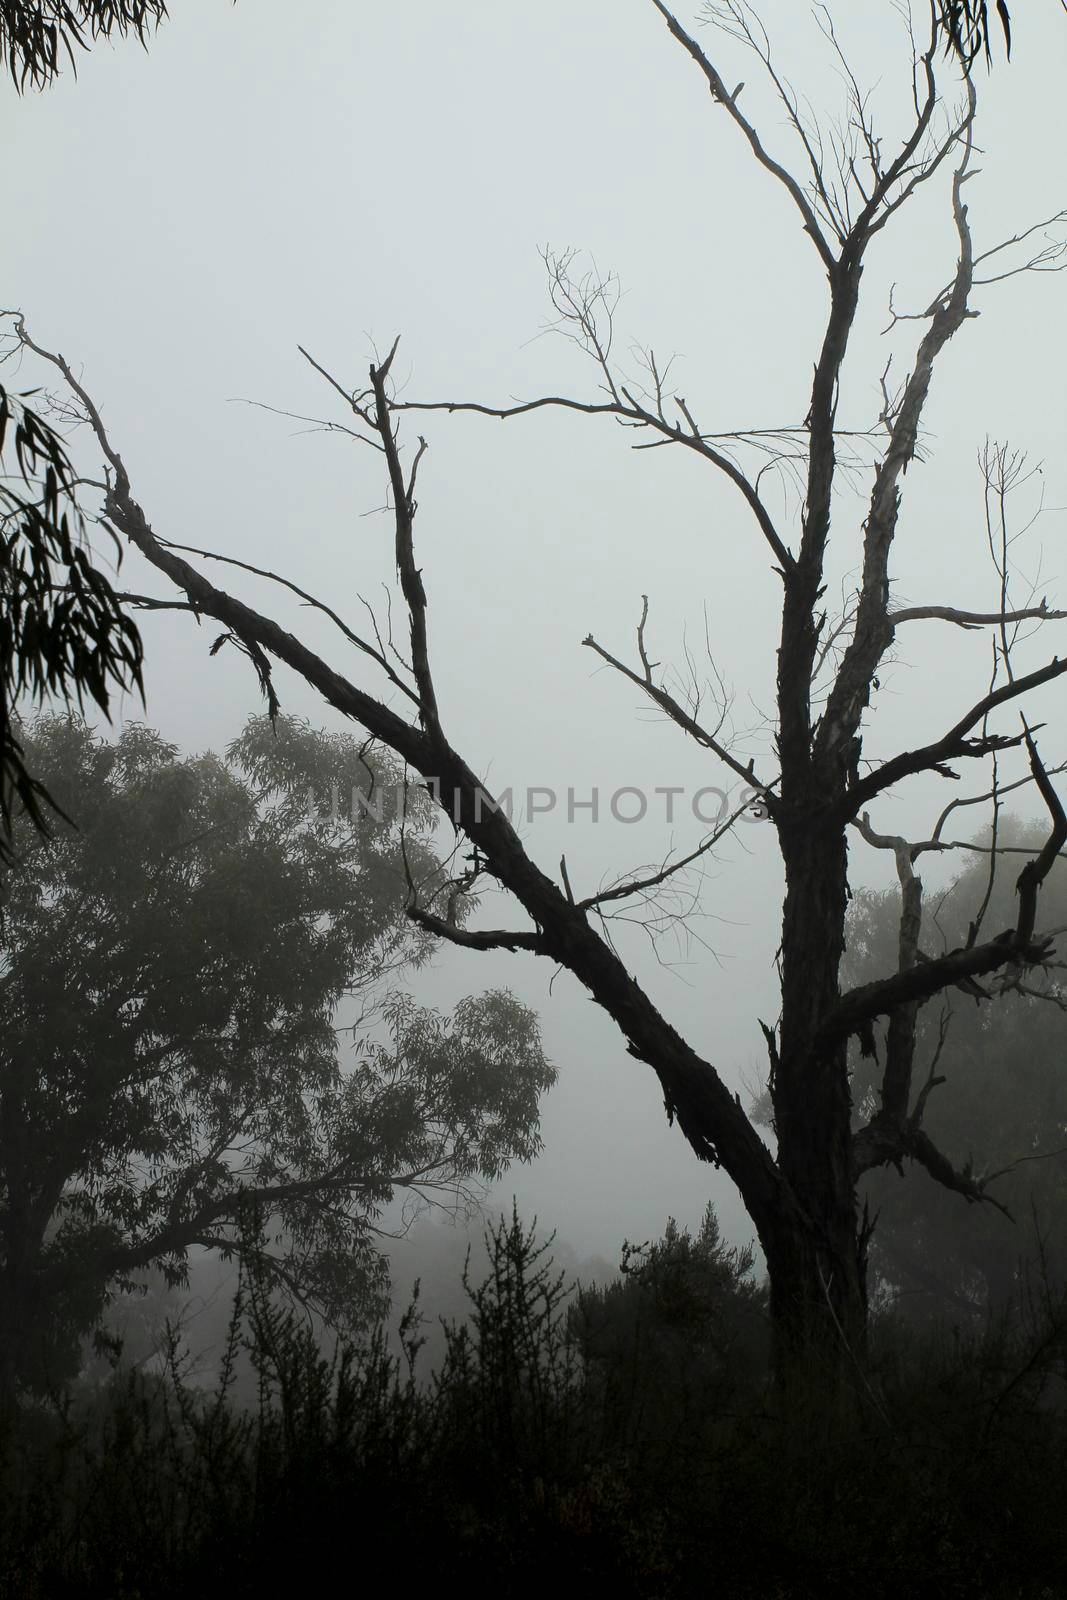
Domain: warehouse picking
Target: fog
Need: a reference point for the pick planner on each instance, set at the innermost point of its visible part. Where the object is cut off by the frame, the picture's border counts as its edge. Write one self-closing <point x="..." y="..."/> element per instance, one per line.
<point x="272" y="175"/>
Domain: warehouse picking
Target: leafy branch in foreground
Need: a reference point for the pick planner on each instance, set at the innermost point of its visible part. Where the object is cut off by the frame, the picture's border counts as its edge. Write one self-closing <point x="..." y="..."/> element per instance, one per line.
<point x="38" y="36"/>
<point x="63" y="629"/>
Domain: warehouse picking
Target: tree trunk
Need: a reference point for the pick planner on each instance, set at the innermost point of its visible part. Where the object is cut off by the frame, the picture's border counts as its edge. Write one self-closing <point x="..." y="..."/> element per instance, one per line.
<point x="815" y="1256"/>
<point x="818" y="1307"/>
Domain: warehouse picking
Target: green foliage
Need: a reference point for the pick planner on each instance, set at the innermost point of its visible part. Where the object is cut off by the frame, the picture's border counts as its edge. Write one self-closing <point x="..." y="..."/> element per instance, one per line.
<point x="1003" y="1105"/>
<point x="63" y="631"/>
<point x="170" y="1068"/>
<point x="36" y="35"/>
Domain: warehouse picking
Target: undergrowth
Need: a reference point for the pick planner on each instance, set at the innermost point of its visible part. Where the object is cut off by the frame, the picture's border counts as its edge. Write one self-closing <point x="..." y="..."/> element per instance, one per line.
<point x="627" y="1435"/>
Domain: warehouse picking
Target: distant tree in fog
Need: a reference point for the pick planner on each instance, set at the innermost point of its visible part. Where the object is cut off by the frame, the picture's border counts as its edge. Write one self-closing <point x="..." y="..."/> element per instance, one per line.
<point x="171" y="1067"/>
<point x="998" y="1104"/>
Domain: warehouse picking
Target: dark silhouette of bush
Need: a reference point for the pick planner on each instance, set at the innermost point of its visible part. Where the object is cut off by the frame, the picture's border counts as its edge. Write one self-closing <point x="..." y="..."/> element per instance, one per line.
<point x="677" y="1342"/>
<point x="542" y="1452"/>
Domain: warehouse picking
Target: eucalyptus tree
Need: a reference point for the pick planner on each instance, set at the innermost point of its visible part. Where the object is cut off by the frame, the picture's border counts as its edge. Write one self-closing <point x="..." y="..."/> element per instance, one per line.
<point x="204" y="1044"/>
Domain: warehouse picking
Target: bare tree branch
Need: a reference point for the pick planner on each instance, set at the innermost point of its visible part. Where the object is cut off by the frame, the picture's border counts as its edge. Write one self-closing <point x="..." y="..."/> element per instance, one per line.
<point x="873" y="631"/>
<point x="476" y="938"/>
<point x="722" y="96"/>
<point x="628" y="410"/>
<point x="636" y="886"/>
<point x="660" y="696"/>
<point x="954" y="744"/>
<point x="693" y="1091"/>
<point x="976" y="619"/>
<point x="376" y="653"/>
<point x="1016" y="948"/>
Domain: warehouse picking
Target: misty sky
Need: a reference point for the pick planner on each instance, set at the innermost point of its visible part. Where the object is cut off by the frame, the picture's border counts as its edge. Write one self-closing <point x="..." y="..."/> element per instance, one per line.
<point x="333" y="174"/>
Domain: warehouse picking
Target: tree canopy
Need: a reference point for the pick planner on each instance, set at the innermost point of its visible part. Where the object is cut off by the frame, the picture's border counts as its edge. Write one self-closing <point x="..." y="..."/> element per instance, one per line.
<point x="174" y="1069"/>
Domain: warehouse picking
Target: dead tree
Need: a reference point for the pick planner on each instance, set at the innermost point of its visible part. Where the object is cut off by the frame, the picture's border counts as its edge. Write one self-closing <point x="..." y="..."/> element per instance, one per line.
<point x="802" y="1199"/>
